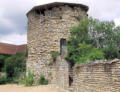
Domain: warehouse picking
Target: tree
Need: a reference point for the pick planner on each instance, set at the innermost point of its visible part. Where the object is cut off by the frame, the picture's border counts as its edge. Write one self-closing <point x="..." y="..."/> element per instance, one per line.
<point x="2" y="61"/>
<point x="2" y="58"/>
<point x="106" y="36"/>
<point x="93" y="39"/>
<point x="15" y="64"/>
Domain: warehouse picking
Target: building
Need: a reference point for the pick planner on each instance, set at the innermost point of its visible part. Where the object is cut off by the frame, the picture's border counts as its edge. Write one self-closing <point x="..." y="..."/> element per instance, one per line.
<point x="47" y="25"/>
<point x="48" y="29"/>
<point x="11" y="49"/>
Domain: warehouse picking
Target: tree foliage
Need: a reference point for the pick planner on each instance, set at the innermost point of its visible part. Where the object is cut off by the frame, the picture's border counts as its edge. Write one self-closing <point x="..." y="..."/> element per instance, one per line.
<point x="83" y="53"/>
<point x="2" y="61"/>
<point x="2" y="80"/>
<point x="93" y="39"/>
<point x="15" y="64"/>
<point x="106" y="36"/>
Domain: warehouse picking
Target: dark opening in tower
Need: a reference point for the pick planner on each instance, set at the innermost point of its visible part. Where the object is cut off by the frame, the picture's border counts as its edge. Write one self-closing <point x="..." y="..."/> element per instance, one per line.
<point x="63" y="48"/>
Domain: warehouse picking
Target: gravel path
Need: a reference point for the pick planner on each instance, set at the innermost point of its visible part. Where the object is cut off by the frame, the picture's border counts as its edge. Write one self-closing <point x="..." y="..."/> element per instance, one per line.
<point x="20" y="88"/>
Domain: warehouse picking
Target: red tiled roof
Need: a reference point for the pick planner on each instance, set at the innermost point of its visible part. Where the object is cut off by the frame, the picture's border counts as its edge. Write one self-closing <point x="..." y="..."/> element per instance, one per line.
<point x="11" y="49"/>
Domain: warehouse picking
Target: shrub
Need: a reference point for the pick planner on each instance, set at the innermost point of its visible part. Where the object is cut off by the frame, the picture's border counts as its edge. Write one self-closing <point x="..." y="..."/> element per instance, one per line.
<point x="26" y="53"/>
<point x="20" y="79"/>
<point x="15" y="65"/>
<point x="29" y="79"/>
<point x="2" y="61"/>
<point x="111" y="51"/>
<point x="54" y="54"/>
<point x="83" y="53"/>
<point x="2" y="80"/>
<point x="9" y="66"/>
<point x="2" y="57"/>
<point x="42" y="80"/>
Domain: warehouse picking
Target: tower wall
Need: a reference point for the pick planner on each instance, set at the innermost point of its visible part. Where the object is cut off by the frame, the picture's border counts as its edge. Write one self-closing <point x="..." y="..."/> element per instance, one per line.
<point x="46" y="27"/>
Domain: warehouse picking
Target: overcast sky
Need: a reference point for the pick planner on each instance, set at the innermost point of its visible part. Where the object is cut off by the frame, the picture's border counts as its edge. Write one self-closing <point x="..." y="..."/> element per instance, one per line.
<point x="13" y="20"/>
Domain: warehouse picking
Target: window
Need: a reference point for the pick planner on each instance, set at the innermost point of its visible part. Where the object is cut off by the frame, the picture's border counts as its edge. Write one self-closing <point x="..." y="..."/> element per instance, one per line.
<point x="63" y="47"/>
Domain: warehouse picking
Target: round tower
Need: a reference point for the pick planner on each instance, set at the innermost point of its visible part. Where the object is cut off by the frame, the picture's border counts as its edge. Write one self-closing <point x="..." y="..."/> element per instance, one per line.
<point x="47" y="25"/>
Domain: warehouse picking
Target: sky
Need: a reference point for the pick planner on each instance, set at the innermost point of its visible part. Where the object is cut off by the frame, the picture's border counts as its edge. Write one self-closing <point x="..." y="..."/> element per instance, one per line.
<point x="13" y="20"/>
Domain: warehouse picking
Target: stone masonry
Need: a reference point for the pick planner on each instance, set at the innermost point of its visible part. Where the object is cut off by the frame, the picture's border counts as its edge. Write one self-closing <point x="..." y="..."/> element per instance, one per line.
<point x="97" y="76"/>
<point x="48" y="29"/>
<point x="47" y="25"/>
<point x="61" y="73"/>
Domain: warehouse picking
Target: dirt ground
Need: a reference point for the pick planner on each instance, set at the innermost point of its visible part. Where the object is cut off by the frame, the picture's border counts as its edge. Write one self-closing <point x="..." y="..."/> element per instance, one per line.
<point x="20" y="88"/>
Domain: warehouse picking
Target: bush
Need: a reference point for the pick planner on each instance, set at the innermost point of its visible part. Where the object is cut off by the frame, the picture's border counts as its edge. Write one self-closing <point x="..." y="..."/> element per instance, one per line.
<point x="2" y="58"/>
<point x="20" y="79"/>
<point x="111" y="52"/>
<point x="83" y="53"/>
<point x="42" y="80"/>
<point x="54" y="54"/>
<point x="2" y="61"/>
<point x="3" y="80"/>
<point x="9" y="66"/>
<point x="15" y="65"/>
<point x="29" y="79"/>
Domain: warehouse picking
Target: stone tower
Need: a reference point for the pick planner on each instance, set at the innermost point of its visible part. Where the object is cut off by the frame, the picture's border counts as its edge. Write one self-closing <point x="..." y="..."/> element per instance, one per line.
<point x="47" y="25"/>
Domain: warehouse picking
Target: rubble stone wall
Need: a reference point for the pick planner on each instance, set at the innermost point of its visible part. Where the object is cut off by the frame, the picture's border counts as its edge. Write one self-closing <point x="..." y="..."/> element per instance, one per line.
<point x="97" y="77"/>
<point x="61" y="73"/>
<point x="45" y="29"/>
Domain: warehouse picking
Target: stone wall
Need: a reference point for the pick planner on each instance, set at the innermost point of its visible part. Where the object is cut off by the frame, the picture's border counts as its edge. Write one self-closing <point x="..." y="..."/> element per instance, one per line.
<point x="45" y="29"/>
<point x="61" y="73"/>
<point x="99" y="76"/>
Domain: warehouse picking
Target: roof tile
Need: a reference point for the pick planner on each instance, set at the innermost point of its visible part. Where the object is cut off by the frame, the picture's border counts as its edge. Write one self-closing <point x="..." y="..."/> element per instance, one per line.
<point x="11" y="49"/>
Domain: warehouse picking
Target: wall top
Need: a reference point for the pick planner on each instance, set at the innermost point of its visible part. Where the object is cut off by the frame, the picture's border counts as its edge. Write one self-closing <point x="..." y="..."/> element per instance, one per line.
<point x="55" y="4"/>
<point x="98" y="62"/>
